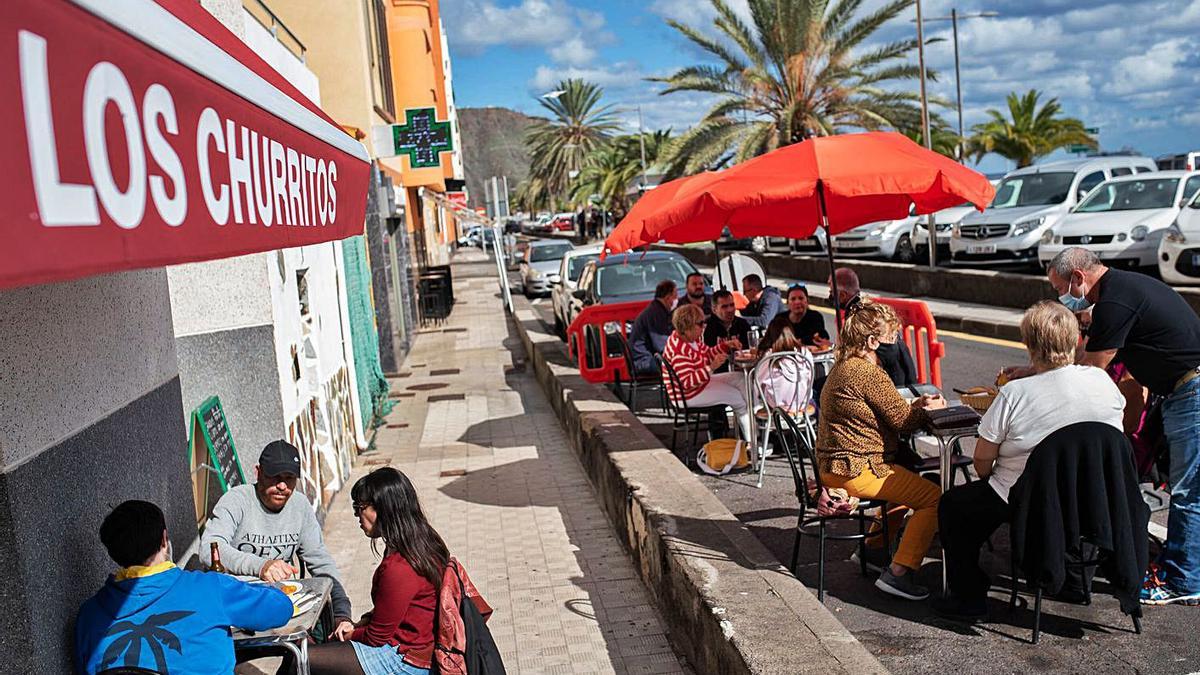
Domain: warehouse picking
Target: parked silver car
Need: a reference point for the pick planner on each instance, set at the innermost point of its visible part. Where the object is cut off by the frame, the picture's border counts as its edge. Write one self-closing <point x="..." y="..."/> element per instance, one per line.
<point x="539" y="265"/>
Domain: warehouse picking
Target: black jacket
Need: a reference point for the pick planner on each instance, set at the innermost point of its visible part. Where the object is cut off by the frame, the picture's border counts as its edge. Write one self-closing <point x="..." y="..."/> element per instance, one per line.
<point x="1080" y="482"/>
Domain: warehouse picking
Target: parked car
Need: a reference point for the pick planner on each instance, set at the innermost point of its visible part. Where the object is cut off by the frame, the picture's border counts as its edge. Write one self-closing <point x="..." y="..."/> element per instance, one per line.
<point x="541" y="225"/>
<point x="563" y="222"/>
<point x="890" y="239"/>
<point x="1030" y="201"/>
<point x="539" y="264"/>
<point x="470" y="237"/>
<point x="944" y="222"/>
<point x="1124" y="219"/>
<point x="1179" y="250"/>
<point x="568" y="278"/>
<point x="627" y="277"/>
<point x="1186" y="161"/>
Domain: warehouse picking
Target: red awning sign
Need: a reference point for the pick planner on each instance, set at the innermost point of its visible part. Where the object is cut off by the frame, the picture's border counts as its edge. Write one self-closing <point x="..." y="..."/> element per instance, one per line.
<point x="143" y="133"/>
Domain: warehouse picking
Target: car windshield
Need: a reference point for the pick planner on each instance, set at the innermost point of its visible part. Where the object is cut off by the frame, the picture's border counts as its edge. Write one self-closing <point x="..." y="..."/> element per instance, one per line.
<point x="548" y="252"/>
<point x="575" y="265"/>
<point x="1035" y="189"/>
<point x="637" y="277"/>
<point x="1131" y="195"/>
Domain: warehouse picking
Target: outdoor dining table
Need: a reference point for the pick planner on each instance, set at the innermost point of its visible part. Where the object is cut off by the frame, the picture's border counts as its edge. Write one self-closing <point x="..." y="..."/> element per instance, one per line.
<point x="293" y="636"/>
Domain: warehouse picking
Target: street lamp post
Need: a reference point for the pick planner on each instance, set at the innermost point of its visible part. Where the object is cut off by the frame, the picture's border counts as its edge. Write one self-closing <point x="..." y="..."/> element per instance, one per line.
<point x="953" y="19"/>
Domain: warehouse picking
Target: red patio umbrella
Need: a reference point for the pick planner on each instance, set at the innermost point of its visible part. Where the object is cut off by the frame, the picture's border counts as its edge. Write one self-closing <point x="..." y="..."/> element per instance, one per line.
<point x="836" y="182"/>
<point x="630" y="232"/>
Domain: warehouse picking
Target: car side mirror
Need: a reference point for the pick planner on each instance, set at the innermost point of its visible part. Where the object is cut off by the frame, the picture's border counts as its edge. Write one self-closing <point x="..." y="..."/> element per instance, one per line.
<point x="580" y="294"/>
<point x="556" y="282"/>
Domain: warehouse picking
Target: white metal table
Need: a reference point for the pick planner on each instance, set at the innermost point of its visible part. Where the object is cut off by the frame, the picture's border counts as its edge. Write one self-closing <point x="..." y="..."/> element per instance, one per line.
<point x="292" y="636"/>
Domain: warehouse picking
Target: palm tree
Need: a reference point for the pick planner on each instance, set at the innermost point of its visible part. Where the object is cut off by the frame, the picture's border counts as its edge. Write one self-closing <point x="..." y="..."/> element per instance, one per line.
<point x="1028" y="132"/>
<point x="532" y="196"/>
<point x="799" y="70"/>
<point x="151" y="631"/>
<point x="578" y="126"/>
<point x="609" y="172"/>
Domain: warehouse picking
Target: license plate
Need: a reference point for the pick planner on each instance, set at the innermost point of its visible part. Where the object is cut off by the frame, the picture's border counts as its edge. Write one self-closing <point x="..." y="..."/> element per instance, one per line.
<point x="981" y="248"/>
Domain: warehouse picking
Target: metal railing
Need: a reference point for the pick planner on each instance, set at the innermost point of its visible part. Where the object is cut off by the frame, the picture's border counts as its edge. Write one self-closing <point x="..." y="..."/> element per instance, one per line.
<point x="256" y="8"/>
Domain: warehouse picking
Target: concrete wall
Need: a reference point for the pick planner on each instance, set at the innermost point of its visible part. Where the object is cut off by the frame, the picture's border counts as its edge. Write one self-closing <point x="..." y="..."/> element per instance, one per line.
<point x="89" y="417"/>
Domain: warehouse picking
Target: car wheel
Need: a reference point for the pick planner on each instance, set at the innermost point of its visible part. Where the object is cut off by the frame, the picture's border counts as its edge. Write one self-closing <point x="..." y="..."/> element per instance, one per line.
<point x="758" y="244"/>
<point x="905" y="252"/>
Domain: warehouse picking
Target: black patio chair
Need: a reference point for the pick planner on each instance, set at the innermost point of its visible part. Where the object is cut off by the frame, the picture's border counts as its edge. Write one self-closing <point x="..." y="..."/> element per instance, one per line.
<point x="636" y="381"/>
<point x="793" y="442"/>
<point x="684" y="417"/>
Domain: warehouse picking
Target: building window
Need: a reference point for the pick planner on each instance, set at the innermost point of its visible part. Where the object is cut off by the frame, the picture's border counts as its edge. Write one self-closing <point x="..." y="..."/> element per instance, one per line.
<point x="302" y="291"/>
<point x="384" y="63"/>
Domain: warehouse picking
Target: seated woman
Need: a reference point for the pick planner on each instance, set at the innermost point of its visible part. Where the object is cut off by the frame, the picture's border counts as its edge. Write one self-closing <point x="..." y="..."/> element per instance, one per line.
<point x="694" y="362"/>
<point x="1024" y="413"/>
<point x="862" y="417"/>
<point x="397" y="635"/>
<point x="787" y="383"/>
<point x="807" y="324"/>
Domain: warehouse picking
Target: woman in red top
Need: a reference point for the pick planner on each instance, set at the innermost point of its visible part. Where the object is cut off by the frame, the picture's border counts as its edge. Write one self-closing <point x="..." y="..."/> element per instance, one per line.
<point x="397" y="635"/>
<point x="694" y="361"/>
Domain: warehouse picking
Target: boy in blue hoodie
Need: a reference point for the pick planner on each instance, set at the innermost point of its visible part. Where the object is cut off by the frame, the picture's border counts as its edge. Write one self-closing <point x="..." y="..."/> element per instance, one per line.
<point x="154" y="615"/>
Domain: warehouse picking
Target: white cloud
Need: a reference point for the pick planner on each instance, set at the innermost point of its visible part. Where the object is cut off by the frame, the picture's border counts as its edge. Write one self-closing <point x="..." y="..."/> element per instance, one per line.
<point x="553" y="25"/>
<point x="573" y="51"/>
<point x="1151" y="72"/>
<point x="610" y="76"/>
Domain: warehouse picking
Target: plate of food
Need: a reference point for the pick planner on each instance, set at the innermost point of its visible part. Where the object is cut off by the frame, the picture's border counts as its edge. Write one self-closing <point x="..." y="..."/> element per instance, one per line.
<point x="291" y="588"/>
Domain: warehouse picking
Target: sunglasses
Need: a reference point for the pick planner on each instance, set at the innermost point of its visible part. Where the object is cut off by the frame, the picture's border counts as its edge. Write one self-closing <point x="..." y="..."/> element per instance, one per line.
<point x="358" y="508"/>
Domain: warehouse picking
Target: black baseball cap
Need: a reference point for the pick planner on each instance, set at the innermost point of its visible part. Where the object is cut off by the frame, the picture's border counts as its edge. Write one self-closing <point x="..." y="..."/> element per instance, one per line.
<point x="279" y="457"/>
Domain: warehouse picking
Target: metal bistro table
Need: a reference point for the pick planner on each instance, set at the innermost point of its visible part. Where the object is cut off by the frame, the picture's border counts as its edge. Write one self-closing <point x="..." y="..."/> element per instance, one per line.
<point x="293" y="636"/>
<point x="947" y="439"/>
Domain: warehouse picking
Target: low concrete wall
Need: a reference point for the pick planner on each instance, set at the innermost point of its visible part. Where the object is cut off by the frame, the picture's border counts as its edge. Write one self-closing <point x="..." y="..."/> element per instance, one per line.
<point x="731" y="607"/>
<point x="985" y="287"/>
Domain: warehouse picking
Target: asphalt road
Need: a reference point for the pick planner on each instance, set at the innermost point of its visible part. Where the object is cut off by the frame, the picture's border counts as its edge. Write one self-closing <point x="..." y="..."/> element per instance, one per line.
<point x="906" y="636"/>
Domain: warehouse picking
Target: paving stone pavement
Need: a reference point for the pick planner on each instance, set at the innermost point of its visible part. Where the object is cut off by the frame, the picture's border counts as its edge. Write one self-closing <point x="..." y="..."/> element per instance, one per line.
<point x="499" y="482"/>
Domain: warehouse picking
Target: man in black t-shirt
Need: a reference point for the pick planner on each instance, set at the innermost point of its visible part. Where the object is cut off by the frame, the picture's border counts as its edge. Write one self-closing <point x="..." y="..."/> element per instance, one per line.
<point x="1156" y="334"/>
<point x="725" y="324"/>
<point x="807" y="324"/>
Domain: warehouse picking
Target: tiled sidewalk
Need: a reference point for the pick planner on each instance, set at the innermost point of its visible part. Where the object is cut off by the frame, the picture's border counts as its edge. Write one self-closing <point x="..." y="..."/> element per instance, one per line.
<point x="498" y="481"/>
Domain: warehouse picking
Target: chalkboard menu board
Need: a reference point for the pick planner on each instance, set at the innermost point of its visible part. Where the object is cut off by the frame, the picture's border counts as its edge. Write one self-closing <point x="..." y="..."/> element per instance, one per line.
<point x="212" y="456"/>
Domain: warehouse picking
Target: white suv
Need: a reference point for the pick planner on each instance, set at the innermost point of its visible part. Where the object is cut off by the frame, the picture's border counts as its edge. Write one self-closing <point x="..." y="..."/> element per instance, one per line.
<point x="1030" y="201"/>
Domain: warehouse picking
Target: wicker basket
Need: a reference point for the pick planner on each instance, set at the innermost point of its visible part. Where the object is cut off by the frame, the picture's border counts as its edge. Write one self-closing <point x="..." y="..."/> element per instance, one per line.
<point x="980" y="402"/>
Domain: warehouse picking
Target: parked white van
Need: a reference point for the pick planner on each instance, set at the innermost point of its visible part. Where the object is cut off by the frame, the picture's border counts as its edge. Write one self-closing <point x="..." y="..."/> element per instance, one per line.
<point x="1030" y="201"/>
<point x="1124" y="219"/>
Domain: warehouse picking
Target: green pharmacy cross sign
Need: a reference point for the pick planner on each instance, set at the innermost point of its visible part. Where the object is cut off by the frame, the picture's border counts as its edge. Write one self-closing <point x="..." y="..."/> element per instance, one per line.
<point x="423" y="138"/>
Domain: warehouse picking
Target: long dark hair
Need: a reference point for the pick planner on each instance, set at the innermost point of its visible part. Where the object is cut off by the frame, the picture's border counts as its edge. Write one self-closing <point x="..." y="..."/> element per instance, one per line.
<point x="401" y="523"/>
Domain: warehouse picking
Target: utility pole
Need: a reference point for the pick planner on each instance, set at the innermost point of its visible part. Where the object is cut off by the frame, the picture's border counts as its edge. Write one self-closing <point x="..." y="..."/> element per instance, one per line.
<point x="642" y="143"/>
<point x="925" y="129"/>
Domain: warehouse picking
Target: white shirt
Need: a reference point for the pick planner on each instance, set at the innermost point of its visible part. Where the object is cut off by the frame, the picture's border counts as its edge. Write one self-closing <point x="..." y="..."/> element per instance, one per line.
<point x="1028" y="410"/>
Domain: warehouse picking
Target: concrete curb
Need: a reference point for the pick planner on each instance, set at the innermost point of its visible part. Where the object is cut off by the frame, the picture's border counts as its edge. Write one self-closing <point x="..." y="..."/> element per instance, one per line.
<point x="731" y="607"/>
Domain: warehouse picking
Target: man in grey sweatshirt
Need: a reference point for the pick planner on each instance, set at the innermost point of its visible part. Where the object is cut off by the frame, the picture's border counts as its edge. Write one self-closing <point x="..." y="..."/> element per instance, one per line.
<point x="260" y="530"/>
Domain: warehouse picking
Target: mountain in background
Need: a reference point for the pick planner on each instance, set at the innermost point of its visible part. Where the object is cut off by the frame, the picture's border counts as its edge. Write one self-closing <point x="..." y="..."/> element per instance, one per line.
<point x="493" y="141"/>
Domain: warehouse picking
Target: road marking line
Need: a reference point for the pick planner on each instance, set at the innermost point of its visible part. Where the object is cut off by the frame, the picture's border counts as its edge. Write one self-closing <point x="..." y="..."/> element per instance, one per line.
<point x="955" y="334"/>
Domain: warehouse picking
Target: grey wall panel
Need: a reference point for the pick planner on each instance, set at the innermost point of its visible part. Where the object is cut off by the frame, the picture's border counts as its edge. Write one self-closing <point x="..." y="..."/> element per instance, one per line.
<point x="238" y="366"/>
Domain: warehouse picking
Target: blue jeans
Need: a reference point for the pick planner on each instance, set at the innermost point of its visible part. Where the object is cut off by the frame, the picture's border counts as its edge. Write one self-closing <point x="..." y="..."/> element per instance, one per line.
<point x="1181" y="423"/>
<point x="384" y="660"/>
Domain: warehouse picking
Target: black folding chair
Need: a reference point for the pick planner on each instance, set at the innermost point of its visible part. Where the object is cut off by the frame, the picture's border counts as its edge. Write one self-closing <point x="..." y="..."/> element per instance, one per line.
<point x="636" y="380"/>
<point x="683" y="416"/>
<point x="792" y="440"/>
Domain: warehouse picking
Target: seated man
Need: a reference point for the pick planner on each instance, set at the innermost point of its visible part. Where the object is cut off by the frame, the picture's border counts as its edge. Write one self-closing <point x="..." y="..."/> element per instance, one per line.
<point x="260" y="529"/>
<point x="764" y="302"/>
<point x="153" y="615"/>
<point x="807" y="324"/>
<point x="1025" y="412"/>
<point x="725" y="324"/>
<point x="894" y="356"/>
<point x="694" y="294"/>
<point x="650" y="331"/>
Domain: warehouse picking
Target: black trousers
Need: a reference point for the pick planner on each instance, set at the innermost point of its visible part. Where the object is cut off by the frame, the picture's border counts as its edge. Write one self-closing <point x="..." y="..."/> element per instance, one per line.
<point x="967" y="517"/>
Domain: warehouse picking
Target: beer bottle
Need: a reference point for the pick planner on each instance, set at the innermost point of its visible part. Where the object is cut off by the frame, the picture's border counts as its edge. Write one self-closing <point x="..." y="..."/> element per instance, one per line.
<point x="216" y="565"/>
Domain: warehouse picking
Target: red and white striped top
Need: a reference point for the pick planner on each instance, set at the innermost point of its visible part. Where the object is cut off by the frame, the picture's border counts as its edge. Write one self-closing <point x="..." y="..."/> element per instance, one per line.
<point x="690" y="361"/>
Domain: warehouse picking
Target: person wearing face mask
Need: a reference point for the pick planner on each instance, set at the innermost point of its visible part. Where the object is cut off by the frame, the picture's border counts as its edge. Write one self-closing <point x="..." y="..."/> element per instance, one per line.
<point x="894" y="357"/>
<point x="1153" y="331"/>
<point x="862" y="417"/>
<point x="183" y="616"/>
<point x="262" y="529"/>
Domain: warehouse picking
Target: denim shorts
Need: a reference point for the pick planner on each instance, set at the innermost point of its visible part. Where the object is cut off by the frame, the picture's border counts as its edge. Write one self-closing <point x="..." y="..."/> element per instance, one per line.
<point x="384" y="660"/>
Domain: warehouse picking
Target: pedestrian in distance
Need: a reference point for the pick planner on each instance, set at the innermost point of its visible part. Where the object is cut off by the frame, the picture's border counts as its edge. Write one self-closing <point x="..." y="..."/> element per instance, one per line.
<point x="397" y="635"/>
<point x="151" y="614"/>
<point x="1153" y="331"/>
<point x="264" y="530"/>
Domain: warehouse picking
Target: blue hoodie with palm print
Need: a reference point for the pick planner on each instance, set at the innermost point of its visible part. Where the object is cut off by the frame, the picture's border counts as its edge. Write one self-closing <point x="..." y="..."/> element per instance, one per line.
<point x="173" y="622"/>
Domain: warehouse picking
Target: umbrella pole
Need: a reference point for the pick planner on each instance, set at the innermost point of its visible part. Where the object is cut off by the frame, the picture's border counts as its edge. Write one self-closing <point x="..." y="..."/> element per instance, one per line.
<point x="833" y="289"/>
<point x="717" y="258"/>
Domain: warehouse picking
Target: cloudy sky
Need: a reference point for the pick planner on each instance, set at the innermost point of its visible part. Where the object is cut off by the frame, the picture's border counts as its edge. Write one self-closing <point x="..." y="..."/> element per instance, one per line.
<point x="1128" y="68"/>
